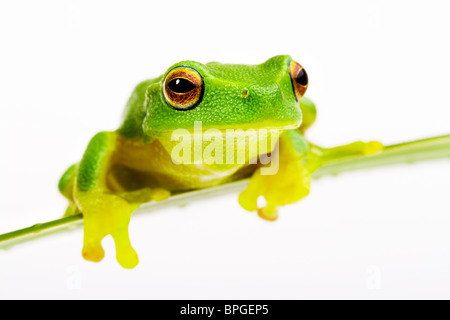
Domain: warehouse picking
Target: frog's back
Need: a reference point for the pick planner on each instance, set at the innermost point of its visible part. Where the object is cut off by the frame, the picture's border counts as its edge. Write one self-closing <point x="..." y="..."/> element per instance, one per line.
<point x="135" y="110"/>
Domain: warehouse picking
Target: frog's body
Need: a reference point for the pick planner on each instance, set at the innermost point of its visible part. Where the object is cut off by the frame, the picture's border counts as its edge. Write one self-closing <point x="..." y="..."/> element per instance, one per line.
<point x="135" y="164"/>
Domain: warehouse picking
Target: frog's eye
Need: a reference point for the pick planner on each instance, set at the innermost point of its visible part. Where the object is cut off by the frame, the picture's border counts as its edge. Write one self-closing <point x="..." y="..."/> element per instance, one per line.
<point x="183" y="88"/>
<point x="299" y="79"/>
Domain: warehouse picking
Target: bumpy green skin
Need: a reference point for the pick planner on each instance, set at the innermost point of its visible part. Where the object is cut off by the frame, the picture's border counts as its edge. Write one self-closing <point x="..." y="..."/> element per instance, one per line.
<point x="66" y="179"/>
<point x="235" y="97"/>
<point x="270" y="101"/>
<point x="136" y="110"/>
<point x="92" y="161"/>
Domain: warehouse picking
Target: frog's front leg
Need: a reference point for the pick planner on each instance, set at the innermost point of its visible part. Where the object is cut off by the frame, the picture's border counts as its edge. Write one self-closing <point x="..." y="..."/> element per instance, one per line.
<point x="298" y="160"/>
<point x="289" y="184"/>
<point x="105" y="212"/>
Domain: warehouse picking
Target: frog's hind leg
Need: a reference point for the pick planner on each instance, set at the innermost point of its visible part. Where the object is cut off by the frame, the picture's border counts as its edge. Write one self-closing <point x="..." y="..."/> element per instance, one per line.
<point x="66" y="187"/>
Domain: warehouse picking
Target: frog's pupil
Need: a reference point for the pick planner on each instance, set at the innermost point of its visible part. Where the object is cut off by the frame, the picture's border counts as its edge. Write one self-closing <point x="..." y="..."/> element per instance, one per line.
<point x="181" y="85"/>
<point x="302" y="78"/>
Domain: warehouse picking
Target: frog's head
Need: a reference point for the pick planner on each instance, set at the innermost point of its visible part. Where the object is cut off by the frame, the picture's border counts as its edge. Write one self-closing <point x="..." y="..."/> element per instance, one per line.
<point x="226" y="96"/>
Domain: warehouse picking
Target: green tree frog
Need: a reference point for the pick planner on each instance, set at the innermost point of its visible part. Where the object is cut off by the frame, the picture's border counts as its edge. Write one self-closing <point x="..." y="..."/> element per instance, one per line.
<point x="265" y="107"/>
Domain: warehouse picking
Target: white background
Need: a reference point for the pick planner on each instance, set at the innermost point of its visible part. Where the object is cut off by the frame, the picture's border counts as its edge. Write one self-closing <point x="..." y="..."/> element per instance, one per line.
<point x="378" y="70"/>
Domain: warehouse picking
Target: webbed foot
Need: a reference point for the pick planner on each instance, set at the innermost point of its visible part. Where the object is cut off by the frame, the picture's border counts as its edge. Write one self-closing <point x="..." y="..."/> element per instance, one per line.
<point x="106" y="214"/>
<point x="289" y="185"/>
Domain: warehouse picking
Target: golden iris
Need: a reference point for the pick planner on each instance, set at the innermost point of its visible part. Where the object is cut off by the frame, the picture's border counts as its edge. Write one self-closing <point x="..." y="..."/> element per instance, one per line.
<point x="183" y="88"/>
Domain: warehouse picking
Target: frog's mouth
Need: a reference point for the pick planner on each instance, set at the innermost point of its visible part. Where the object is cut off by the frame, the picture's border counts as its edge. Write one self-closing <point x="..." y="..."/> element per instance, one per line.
<point x="198" y="128"/>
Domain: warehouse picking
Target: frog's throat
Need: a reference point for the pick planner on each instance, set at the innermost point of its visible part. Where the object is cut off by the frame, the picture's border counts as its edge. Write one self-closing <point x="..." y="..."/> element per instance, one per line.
<point x="237" y="147"/>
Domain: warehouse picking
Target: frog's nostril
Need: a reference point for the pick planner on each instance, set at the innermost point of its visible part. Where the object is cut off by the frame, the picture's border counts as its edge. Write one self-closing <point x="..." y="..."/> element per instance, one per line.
<point x="245" y="93"/>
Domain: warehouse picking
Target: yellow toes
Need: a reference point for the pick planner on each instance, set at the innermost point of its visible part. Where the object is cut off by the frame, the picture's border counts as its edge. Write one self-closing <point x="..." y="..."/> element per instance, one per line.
<point x="269" y="212"/>
<point x="125" y="254"/>
<point x="248" y="201"/>
<point x="373" y="147"/>
<point x="93" y="253"/>
<point x="127" y="258"/>
<point x="106" y="214"/>
<point x="160" y="194"/>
